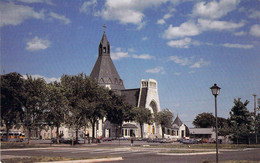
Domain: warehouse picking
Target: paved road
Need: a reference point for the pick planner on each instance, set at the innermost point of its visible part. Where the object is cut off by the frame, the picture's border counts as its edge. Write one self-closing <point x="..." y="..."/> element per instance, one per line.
<point x="137" y="155"/>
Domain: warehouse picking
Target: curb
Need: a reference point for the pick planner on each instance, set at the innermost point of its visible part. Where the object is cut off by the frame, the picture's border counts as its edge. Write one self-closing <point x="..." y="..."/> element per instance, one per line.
<point x="186" y="154"/>
<point x="87" y="161"/>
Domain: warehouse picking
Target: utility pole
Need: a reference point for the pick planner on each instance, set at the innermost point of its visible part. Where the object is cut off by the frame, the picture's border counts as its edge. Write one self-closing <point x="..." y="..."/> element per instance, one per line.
<point x="255" y="118"/>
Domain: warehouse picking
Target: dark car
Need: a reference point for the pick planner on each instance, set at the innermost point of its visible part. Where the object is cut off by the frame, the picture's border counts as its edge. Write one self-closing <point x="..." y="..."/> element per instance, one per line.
<point x="65" y="141"/>
<point x="107" y="139"/>
<point x="190" y="141"/>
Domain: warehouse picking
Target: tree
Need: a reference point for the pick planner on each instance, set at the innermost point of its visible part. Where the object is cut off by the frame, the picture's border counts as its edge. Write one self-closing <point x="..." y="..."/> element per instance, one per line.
<point x="241" y="120"/>
<point x="258" y="123"/>
<point x="204" y="120"/>
<point x="11" y="96"/>
<point x="164" y="118"/>
<point x="34" y="103"/>
<point x="118" y="111"/>
<point x="57" y="106"/>
<point x="87" y="100"/>
<point x="74" y="86"/>
<point x="142" y="115"/>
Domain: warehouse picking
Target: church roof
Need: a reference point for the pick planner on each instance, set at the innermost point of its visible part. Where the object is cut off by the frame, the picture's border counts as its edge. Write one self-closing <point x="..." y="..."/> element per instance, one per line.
<point x="177" y="121"/>
<point x="128" y="125"/>
<point x="132" y="96"/>
<point x="104" y="71"/>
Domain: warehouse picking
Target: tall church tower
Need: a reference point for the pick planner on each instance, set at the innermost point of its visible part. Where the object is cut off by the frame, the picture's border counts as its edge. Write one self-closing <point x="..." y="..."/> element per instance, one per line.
<point x="104" y="71"/>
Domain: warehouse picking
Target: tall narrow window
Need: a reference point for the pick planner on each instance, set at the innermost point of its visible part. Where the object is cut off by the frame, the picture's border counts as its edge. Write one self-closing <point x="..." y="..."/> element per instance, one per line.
<point x="104" y="49"/>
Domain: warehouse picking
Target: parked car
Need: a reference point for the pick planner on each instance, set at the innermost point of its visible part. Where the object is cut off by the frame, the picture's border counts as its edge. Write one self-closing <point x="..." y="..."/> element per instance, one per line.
<point x="159" y="140"/>
<point x="204" y="140"/>
<point x="181" y="140"/>
<point x="65" y="141"/>
<point x="190" y="141"/>
<point x="212" y="141"/>
<point x="122" y="138"/>
<point x="107" y="139"/>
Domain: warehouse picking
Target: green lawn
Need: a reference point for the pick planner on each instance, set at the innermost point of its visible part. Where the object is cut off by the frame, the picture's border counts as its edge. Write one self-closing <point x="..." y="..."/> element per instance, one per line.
<point x="232" y="161"/>
<point x="208" y="146"/>
<point x="47" y="159"/>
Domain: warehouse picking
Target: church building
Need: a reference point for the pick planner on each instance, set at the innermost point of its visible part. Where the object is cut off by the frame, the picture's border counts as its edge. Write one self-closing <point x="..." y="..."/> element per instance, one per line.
<point x="105" y="73"/>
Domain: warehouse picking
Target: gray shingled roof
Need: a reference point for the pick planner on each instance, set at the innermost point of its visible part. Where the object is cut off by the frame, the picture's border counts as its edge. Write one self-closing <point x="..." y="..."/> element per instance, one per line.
<point x="131" y="96"/>
<point x="104" y="71"/>
<point x="177" y="121"/>
<point x="128" y="125"/>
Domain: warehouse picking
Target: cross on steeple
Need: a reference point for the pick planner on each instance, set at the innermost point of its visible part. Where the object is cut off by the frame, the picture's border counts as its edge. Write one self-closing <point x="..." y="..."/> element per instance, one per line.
<point x="104" y="26"/>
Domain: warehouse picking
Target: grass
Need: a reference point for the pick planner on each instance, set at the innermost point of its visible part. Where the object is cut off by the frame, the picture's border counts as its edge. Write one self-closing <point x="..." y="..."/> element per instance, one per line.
<point x="232" y="161"/>
<point x="183" y="151"/>
<point x="47" y="159"/>
<point x="208" y="146"/>
<point x="11" y="145"/>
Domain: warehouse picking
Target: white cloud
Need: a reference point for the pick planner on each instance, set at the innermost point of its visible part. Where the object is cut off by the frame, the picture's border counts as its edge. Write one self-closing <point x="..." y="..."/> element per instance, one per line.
<point x="48" y="80"/>
<point x="177" y="73"/>
<point x="86" y="6"/>
<point x="255" y="30"/>
<point x="141" y="25"/>
<point x="241" y="46"/>
<point x="12" y="14"/>
<point x="144" y="38"/>
<point x="207" y="24"/>
<point x="156" y="70"/>
<point x="254" y="14"/>
<point x="161" y="21"/>
<point x="241" y="33"/>
<point x="200" y="63"/>
<point x="165" y="17"/>
<point x="189" y="62"/>
<point x="62" y="18"/>
<point x="37" y="44"/>
<point x="49" y="2"/>
<point x="128" y="11"/>
<point x="194" y="28"/>
<point x="184" y="43"/>
<point x="131" y="50"/>
<point x="214" y="9"/>
<point x="142" y="56"/>
<point x="185" y="29"/>
<point x="192" y="72"/>
<point x="181" y="61"/>
<point x="118" y="55"/>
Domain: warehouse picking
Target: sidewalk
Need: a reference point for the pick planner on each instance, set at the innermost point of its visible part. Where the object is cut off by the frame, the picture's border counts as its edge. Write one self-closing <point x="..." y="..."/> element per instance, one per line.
<point x="88" y="160"/>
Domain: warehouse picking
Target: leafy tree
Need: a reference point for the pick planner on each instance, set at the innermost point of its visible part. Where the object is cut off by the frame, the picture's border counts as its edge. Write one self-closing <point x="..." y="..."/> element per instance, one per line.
<point x="142" y="115"/>
<point x="87" y="100"/>
<point x="34" y="103"/>
<point x="74" y="86"/>
<point x="11" y="96"/>
<point x="118" y="111"/>
<point x="241" y="120"/>
<point x="258" y="123"/>
<point x="57" y="106"/>
<point x="164" y="118"/>
<point x="204" y="120"/>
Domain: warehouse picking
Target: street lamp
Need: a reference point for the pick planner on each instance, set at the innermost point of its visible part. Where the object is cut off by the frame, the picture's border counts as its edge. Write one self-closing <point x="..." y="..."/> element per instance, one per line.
<point x="215" y="91"/>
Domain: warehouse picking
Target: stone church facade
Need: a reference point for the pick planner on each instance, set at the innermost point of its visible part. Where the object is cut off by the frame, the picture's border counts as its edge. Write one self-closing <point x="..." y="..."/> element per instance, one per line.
<point x="105" y="73"/>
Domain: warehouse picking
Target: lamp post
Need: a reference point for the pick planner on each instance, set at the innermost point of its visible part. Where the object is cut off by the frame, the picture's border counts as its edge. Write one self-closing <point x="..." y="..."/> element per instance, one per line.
<point x="255" y="118"/>
<point x="215" y="91"/>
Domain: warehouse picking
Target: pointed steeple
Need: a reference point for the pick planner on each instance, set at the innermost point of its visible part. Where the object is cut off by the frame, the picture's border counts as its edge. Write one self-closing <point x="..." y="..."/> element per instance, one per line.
<point x="104" y="46"/>
<point x="177" y="121"/>
<point x="104" y="71"/>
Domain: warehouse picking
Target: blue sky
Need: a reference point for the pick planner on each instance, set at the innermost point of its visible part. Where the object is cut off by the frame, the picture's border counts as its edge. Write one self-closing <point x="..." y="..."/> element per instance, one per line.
<point x="187" y="46"/>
